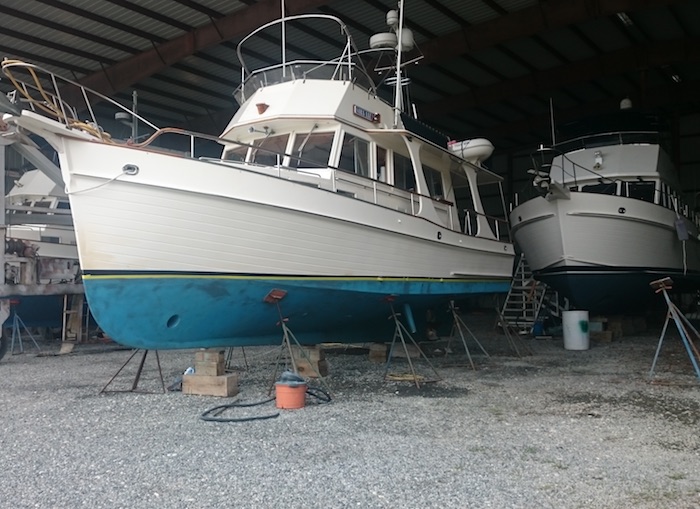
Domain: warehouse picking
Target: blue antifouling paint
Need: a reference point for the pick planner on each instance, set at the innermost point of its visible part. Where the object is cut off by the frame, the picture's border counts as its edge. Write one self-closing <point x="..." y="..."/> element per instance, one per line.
<point x="408" y="313"/>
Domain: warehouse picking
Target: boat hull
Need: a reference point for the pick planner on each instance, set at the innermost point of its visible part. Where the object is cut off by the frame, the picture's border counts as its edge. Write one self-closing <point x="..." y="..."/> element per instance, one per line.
<point x="182" y="253"/>
<point x="602" y="251"/>
<point x="197" y="310"/>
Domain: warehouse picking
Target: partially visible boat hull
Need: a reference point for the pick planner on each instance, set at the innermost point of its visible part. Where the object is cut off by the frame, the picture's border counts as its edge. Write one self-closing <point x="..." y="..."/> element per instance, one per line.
<point x="605" y="290"/>
<point x="204" y="310"/>
<point x="601" y="251"/>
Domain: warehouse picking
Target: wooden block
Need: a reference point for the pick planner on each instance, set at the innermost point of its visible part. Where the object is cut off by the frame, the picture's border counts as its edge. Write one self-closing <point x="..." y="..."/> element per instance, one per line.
<point x="210" y="355"/>
<point x="209" y="368"/>
<point x="399" y="351"/>
<point x="603" y="336"/>
<point x="377" y="353"/>
<point x="313" y="353"/>
<point x="312" y="370"/>
<point x="616" y="329"/>
<point x="204" y="385"/>
<point x="596" y="325"/>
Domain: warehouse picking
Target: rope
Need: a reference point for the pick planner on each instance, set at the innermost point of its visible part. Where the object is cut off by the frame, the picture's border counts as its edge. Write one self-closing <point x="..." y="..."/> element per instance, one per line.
<point x="48" y="102"/>
<point x="88" y="189"/>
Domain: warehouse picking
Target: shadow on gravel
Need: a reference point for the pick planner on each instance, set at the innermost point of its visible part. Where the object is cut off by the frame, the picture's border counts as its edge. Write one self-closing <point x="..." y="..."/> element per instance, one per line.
<point x="678" y="410"/>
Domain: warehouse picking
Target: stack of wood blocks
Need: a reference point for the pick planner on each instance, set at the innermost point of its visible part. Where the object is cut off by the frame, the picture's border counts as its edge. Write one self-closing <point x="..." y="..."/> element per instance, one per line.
<point x="377" y="353"/>
<point x="210" y="378"/>
<point x="604" y="329"/>
<point x="310" y="361"/>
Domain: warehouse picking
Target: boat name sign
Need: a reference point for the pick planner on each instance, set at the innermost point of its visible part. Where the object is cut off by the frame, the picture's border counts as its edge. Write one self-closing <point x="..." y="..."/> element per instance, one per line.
<point x="367" y="115"/>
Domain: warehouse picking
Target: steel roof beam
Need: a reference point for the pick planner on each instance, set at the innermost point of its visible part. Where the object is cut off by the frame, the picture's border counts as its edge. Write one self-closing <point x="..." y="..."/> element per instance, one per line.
<point x="127" y="72"/>
<point x="529" y="22"/>
<point x="648" y="56"/>
<point x="665" y="96"/>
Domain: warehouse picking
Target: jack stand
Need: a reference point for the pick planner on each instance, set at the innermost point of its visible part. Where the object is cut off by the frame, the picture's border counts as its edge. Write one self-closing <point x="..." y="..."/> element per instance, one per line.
<point x="459" y="326"/>
<point x="511" y="336"/>
<point x="17" y="326"/>
<point x="401" y="333"/>
<point x="137" y="377"/>
<point x="682" y="324"/>
<point x="229" y="359"/>
<point x="274" y="297"/>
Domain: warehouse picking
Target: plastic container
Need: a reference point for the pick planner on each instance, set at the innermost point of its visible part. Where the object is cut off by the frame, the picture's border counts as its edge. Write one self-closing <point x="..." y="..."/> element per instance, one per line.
<point x="290" y="395"/>
<point x="575" y="329"/>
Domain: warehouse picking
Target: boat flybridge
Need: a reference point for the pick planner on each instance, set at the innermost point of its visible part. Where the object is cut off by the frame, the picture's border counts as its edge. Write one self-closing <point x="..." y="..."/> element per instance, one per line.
<point x="323" y="123"/>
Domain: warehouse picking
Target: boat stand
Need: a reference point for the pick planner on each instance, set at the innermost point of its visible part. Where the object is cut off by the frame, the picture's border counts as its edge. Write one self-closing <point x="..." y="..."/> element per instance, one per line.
<point x="288" y="338"/>
<point x="513" y="336"/>
<point x="459" y="326"/>
<point x="682" y="324"/>
<point x="229" y="359"/>
<point x="401" y="333"/>
<point x="137" y="377"/>
<point x="17" y="326"/>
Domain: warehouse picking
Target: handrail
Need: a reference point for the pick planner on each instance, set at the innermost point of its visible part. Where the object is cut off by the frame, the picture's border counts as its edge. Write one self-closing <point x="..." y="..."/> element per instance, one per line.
<point x="56" y="103"/>
<point x="344" y="60"/>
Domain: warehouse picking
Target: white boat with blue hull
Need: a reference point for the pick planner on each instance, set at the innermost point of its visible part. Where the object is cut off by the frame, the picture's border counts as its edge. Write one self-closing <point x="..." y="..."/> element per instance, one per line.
<point x="321" y="193"/>
<point x="610" y="217"/>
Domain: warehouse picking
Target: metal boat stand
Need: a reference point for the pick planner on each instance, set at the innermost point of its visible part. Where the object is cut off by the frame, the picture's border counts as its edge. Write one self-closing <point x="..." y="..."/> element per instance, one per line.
<point x="401" y="333"/>
<point x="229" y="359"/>
<point x="137" y="377"/>
<point x="288" y="338"/>
<point x="682" y="324"/>
<point x="513" y="336"/>
<point x="17" y="326"/>
<point x="459" y="326"/>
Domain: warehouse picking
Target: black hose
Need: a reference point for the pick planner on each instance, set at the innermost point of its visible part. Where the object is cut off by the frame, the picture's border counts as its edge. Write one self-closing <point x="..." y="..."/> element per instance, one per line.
<point x="3" y="344"/>
<point x="212" y="415"/>
<point x="319" y="394"/>
<point x="207" y="415"/>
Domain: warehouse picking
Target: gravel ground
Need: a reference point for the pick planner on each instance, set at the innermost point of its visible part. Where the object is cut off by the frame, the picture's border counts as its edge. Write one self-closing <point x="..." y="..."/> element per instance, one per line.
<point x="561" y="429"/>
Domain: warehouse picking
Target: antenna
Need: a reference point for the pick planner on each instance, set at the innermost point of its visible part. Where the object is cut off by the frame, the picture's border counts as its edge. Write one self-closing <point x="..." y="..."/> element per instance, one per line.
<point x="399" y="50"/>
<point x="551" y="120"/>
<point x="284" y="42"/>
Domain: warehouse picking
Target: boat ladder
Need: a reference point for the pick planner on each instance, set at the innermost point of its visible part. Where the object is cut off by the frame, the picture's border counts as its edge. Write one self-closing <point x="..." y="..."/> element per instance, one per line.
<point x="529" y="300"/>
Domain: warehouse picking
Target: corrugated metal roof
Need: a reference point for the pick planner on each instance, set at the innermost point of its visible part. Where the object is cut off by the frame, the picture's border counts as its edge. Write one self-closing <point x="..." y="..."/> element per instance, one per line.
<point x="473" y="64"/>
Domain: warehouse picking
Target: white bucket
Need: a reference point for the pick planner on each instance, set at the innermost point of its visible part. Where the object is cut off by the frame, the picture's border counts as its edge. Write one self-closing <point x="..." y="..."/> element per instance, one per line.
<point x="575" y="328"/>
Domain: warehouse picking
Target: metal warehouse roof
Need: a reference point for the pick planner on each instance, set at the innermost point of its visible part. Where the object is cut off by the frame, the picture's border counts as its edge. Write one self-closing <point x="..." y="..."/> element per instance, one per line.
<point x="491" y="67"/>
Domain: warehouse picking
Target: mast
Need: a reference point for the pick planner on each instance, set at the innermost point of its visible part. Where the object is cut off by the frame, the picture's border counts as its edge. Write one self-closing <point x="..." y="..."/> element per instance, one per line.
<point x="284" y="41"/>
<point x="399" y="49"/>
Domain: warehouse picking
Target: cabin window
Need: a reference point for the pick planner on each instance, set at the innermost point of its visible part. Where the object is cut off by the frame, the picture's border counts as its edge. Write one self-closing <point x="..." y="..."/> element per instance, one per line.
<point x="381" y="164"/>
<point x="403" y="173"/>
<point x="434" y="180"/>
<point x="269" y="151"/>
<point x="641" y="190"/>
<point x="606" y="188"/>
<point x="236" y="153"/>
<point x="311" y="150"/>
<point x="354" y="155"/>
